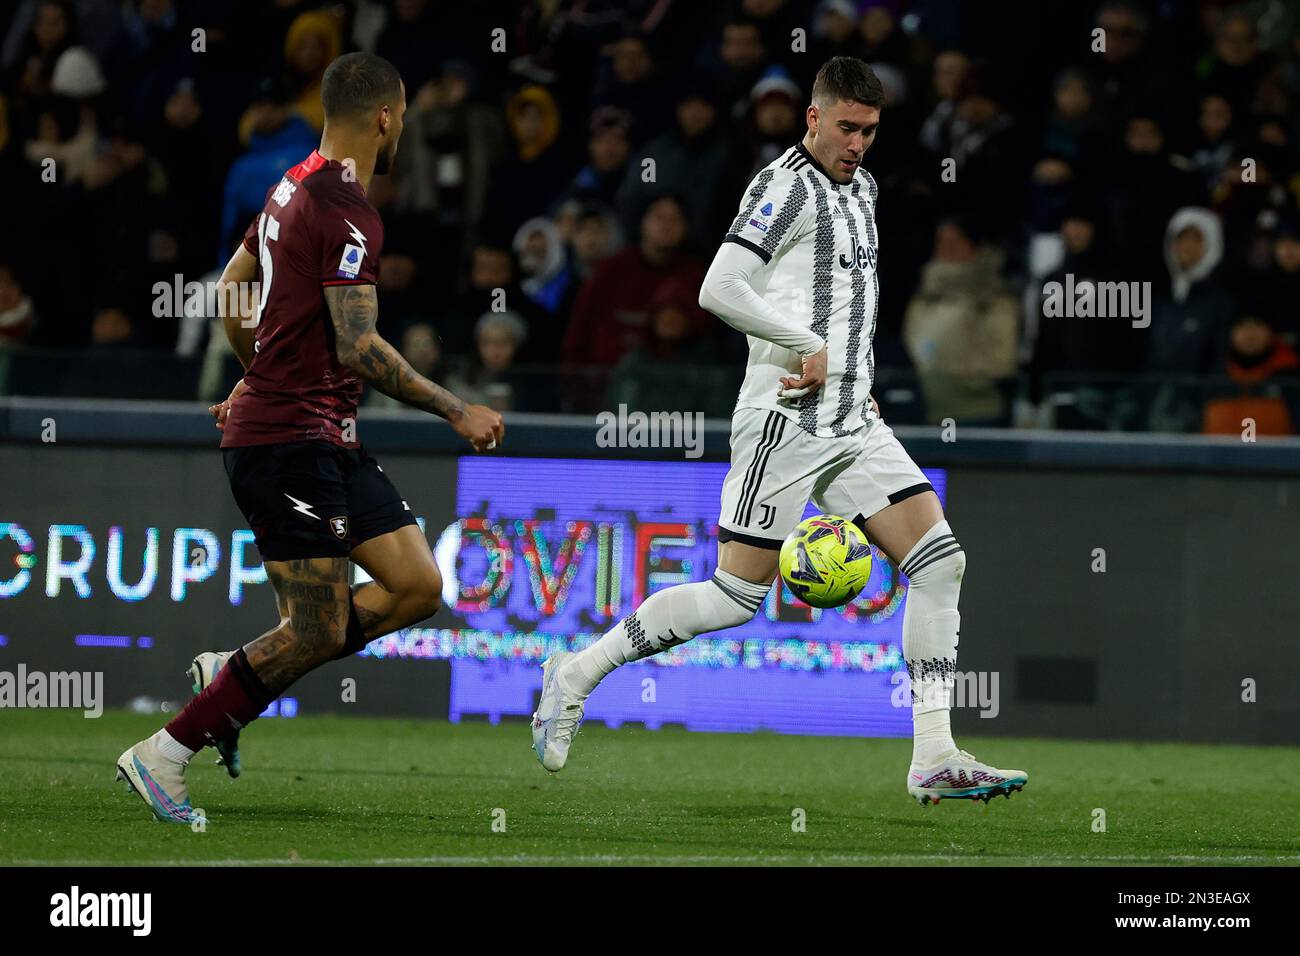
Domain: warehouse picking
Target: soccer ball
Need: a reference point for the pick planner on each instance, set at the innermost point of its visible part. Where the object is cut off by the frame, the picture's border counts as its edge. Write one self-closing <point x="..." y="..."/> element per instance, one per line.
<point x="826" y="561"/>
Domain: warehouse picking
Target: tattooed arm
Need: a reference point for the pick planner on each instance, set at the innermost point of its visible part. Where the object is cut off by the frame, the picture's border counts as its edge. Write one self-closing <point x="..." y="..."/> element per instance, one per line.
<point x="361" y="348"/>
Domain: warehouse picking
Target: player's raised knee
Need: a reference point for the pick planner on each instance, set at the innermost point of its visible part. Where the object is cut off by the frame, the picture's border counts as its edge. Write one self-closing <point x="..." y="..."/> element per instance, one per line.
<point x="427" y="594"/>
<point x="937" y="558"/>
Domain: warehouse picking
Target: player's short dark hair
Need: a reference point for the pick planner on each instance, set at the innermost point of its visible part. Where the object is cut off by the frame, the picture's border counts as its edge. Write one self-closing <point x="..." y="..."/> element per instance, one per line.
<point x="847" y="78"/>
<point x="357" y="83"/>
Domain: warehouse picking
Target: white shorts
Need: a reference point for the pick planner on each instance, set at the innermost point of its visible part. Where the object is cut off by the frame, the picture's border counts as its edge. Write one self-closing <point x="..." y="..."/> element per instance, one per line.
<point x="777" y="467"/>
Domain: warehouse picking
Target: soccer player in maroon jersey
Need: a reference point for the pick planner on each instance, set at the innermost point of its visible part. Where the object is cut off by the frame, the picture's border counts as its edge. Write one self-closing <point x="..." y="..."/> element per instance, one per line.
<point x="312" y="496"/>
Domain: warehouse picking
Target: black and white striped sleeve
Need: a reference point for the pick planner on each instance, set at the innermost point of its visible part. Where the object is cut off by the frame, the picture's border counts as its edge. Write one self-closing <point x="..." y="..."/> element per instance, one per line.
<point x="771" y="212"/>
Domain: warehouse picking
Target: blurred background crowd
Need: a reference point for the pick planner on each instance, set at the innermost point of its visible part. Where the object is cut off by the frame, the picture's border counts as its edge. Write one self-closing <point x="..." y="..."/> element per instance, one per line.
<point x="536" y="261"/>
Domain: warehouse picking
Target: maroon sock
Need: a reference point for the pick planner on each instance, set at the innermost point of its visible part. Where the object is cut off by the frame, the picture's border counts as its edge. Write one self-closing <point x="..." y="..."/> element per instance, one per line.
<point x="233" y="700"/>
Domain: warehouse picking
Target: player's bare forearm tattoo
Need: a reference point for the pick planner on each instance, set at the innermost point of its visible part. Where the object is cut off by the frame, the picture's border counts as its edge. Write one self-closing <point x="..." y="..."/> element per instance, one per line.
<point x="315" y="594"/>
<point x="354" y="309"/>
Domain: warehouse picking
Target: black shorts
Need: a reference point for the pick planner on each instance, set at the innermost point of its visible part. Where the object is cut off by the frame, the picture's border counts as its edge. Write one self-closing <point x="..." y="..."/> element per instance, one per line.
<point x="312" y="499"/>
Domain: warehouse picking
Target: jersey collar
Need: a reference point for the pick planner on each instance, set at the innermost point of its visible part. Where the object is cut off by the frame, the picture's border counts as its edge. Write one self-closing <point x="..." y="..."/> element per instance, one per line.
<point x="803" y="151"/>
<point x="311" y="164"/>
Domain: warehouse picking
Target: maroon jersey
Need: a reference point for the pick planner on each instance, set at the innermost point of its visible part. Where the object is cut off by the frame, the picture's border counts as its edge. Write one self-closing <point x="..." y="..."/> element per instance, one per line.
<point x="316" y="229"/>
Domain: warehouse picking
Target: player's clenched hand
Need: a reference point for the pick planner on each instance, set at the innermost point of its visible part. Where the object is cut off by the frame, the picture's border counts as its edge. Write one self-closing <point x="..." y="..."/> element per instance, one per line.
<point x="813" y="378"/>
<point x="221" y="411"/>
<point x="480" y="426"/>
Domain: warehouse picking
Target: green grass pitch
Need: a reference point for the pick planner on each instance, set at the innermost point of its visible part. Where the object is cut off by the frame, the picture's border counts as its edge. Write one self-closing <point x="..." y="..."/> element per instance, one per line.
<point x="336" y="790"/>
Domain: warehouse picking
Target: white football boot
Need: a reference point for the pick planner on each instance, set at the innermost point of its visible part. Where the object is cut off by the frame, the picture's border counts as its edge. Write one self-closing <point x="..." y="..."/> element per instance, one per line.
<point x="159" y="782"/>
<point x="558" y="716"/>
<point x="203" y="671"/>
<point x="959" y="776"/>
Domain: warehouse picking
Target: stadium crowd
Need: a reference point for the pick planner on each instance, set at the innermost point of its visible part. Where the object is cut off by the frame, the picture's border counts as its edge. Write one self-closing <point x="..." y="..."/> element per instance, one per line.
<point x="568" y="168"/>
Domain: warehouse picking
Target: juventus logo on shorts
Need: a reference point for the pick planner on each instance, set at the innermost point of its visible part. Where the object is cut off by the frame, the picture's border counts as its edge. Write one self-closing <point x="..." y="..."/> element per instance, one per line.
<point x="339" y="526"/>
<point x="769" y="515"/>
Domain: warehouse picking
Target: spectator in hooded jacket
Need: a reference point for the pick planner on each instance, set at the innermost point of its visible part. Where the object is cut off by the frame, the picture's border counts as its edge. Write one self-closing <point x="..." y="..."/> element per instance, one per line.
<point x="1189" y="321"/>
<point x="534" y="166"/>
<point x="546" y="276"/>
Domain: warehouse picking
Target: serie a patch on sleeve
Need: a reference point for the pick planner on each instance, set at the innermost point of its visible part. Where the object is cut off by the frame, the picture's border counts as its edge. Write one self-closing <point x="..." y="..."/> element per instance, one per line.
<point x="350" y="262"/>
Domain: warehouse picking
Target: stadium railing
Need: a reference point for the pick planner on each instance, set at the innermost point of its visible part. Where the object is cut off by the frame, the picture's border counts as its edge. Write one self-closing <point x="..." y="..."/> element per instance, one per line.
<point x="123" y="422"/>
<point x="1131" y="402"/>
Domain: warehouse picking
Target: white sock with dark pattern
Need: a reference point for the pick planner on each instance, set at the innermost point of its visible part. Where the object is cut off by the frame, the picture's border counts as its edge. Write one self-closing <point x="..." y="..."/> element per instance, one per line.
<point x="665" y="619"/>
<point x="934" y="569"/>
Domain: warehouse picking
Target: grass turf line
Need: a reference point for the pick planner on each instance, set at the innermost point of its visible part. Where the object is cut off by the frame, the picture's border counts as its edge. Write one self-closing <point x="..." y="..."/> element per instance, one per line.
<point x="340" y="790"/>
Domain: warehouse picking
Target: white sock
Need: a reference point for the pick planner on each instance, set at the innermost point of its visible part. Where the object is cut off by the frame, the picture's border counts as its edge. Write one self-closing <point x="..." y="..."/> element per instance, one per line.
<point x="934" y="568"/>
<point x="665" y="619"/>
<point x="171" y="748"/>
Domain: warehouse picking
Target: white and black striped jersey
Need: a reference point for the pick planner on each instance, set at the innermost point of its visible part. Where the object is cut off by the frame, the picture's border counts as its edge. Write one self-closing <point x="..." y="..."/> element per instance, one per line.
<point x="818" y="241"/>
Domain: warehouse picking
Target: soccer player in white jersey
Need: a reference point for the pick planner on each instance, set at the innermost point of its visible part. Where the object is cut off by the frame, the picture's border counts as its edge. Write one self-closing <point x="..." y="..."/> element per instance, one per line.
<point x="796" y="273"/>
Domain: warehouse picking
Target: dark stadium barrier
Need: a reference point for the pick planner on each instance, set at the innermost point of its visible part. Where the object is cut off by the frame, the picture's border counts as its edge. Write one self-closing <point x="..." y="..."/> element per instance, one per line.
<point x="1119" y="586"/>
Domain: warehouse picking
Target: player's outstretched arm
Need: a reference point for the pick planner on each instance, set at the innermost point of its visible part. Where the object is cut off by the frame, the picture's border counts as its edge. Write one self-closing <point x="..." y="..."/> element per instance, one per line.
<point x="354" y="309"/>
